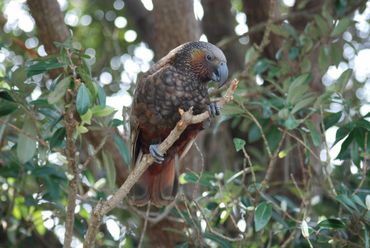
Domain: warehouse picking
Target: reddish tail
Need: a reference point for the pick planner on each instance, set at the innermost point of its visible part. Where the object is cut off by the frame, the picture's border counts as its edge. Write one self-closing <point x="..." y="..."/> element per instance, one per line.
<point x="158" y="185"/>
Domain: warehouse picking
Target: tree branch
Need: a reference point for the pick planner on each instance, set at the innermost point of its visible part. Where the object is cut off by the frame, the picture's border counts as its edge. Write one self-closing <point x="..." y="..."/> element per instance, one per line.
<point x="70" y="124"/>
<point x="187" y="118"/>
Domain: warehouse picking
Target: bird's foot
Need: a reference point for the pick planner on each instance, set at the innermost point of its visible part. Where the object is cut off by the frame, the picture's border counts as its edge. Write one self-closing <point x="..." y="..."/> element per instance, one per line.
<point x="213" y="109"/>
<point x="158" y="157"/>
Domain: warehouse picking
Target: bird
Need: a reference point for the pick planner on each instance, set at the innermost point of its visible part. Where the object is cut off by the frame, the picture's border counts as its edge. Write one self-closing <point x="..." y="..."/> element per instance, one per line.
<point x="179" y="80"/>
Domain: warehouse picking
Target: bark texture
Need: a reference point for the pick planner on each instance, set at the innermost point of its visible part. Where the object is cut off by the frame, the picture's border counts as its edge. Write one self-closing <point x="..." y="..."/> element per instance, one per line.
<point x="218" y="23"/>
<point x="50" y="23"/>
<point x="257" y="13"/>
<point x="174" y="24"/>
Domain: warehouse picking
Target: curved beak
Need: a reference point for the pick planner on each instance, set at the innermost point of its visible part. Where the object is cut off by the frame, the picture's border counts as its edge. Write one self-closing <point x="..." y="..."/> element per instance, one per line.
<point x="220" y="74"/>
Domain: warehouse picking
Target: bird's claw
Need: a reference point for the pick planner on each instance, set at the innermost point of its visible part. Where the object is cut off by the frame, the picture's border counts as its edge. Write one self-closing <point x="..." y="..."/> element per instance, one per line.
<point x="213" y="109"/>
<point x="158" y="157"/>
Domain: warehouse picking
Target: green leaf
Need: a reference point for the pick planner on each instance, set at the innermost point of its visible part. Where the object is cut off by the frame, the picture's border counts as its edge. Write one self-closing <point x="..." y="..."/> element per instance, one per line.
<point x="59" y="91"/>
<point x="122" y="148"/>
<point x="83" y="99"/>
<point x="341" y="26"/>
<point x="26" y="146"/>
<point x="101" y="111"/>
<point x="364" y="124"/>
<point x="38" y="222"/>
<point x="297" y="88"/>
<point x="331" y="224"/>
<point x="358" y="200"/>
<point x="341" y="133"/>
<point x="262" y="215"/>
<point x="82" y="129"/>
<point x="276" y="29"/>
<point x="324" y="59"/>
<point x="101" y="96"/>
<point x="183" y="245"/>
<point x="261" y="66"/>
<point x="336" y="51"/>
<point x="86" y="118"/>
<point x="332" y="119"/>
<point x="254" y="133"/>
<point x="291" y="122"/>
<point x="322" y="25"/>
<point x="6" y="96"/>
<point x="342" y="81"/>
<point x="343" y="149"/>
<point x="303" y="103"/>
<point x="231" y="109"/>
<point x="57" y="138"/>
<point x="274" y="137"/>
<point x="220" y="241"/>
<point x="315" y="136"/>
<point x="239" y="144"/>
<point x="7" y="107"/>
<point x="116" y="123"/>
<point x="109" y="169"/>
<point x="347" y="202"/>
<point x="19" y="76"/>
<point x="43" y="66"/>
<point x="293" y="53"/>
<point x="192" y="177"/>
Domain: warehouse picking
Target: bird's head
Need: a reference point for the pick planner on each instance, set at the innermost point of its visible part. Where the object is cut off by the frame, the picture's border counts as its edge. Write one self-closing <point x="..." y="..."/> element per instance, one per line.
<point x="206" y="61"/>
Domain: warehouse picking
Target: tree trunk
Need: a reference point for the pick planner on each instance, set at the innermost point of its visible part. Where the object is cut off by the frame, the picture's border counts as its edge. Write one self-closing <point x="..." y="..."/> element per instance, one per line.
<point x="50" y="23"/>
<point x="174" y="24"/>
<point x="218" y="23"/>
<point x="257" y="13"/>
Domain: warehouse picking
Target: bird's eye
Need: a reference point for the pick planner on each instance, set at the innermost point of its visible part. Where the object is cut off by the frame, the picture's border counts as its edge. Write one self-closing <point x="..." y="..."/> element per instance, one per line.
<point x="209" y="57"/>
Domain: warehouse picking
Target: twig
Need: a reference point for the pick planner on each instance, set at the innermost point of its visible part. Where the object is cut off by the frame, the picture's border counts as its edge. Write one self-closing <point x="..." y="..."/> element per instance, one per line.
<point x="246" y="155"/>
<point x="70" y="124"/>
<point x="302" y="143"/>
<point x="270" y="167"/>
<point x="211" y="230"/>
<point x="145" y="225"/>
<point x="18" y="130"/>
<point x="364" y="169"/>
<point x="196" y="187"/>
<point x="146" y="160"/>
<point x="331" y="185"/>
<point x="254" y="119"/>
<point x="260" y="26"/>
<point x="156" y="217"/>
<point x="100" y="146"/>
<point x="265" y="39"/>
<point x="236" y="175"/>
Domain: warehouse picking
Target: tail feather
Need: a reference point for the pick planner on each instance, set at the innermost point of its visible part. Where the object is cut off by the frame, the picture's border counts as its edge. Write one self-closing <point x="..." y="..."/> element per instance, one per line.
<point x="158" y="185"/>
<point x="140" y="192"/>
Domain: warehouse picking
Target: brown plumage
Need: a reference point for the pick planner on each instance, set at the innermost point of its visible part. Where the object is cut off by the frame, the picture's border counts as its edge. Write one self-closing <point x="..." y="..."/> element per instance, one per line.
<point x="178" y="80"/>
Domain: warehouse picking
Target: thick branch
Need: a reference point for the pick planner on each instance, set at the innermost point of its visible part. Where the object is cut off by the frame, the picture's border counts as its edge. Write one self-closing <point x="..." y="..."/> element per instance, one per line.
<point x="187" y="118"/>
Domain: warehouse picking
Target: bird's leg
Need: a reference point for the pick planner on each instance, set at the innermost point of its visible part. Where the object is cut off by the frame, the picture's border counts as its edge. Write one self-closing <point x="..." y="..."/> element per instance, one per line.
<point x="213" y="109"/>
<point x="158" y="157"/>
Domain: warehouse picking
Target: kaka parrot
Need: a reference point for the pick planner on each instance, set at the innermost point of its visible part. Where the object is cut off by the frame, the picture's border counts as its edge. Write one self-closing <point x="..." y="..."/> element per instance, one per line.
<point x="178" y="80"/>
